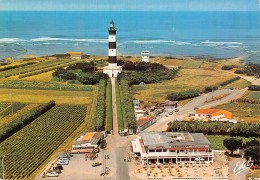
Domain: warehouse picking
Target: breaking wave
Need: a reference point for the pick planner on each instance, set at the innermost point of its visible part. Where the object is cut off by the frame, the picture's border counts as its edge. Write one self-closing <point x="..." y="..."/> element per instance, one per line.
<point x="219" y="43"/>
<point x="65" y="39"/>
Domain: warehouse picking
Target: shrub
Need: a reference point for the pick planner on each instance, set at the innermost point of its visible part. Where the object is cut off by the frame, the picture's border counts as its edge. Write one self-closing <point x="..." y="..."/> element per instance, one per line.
<point x="239" y="71"/>
<point x="229" y="81"/>
<point x="210" y="89"/>
<point x="227" y="67"/>
<point x="16" y="66"/>
<point x="183" y="95"/>
<point x="254" y="88"/>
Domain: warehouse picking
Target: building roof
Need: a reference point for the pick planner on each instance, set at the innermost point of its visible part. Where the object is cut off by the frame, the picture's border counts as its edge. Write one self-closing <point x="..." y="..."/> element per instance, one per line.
<point x="92" y="138"/>
<point x="215" y="112"/>
<point x="227" y="114"/>
<point x="74" y="53"/>
<point x="143" y="121"/>
<point x="169" y="103"/>
<point x="207" y="111"/>
<point x="174" y="139"/>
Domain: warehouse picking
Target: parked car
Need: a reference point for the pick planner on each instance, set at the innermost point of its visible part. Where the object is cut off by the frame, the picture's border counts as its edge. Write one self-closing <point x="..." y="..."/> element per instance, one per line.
<point x="64" y="159"/>
<point x="94" y="164"/>
<point x="61" y="162"/>
<point x="52" y="174"/>
<point x="58" y="167"/>
<point x="56" y="170"/>
<point x="65" y="155"/>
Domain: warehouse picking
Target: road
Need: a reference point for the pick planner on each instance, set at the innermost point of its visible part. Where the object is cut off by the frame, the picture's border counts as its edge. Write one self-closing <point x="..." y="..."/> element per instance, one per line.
<point x="199" y="102"/>
<point x="118" y="144"/>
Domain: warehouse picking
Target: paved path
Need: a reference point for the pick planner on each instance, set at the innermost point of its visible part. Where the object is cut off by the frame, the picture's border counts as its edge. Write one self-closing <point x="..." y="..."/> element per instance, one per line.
<point x="118" y="149"/>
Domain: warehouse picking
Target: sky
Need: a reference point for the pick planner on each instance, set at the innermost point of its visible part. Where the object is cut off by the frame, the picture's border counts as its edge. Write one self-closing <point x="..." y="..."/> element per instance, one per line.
<point x="130" y="5"/>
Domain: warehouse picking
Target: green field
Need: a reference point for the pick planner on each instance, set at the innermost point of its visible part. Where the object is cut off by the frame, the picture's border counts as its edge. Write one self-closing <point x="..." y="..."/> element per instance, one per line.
<point x="217" y="141"/>
<point x="252" y="95"/>
<point x="28" y="148"/>
<point x="192" y="64"/>
<point x="40" y="85"/>
<point x="13" y="108"/>
<point x="243" y="111"/>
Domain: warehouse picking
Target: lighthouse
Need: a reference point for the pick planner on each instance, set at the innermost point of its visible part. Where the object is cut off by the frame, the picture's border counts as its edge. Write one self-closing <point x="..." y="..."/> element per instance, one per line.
<point x="112" y="69"/>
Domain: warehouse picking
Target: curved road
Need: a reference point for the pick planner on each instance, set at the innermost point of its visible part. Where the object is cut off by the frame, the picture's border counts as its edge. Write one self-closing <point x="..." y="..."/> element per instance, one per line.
<point x="199" y="102"/>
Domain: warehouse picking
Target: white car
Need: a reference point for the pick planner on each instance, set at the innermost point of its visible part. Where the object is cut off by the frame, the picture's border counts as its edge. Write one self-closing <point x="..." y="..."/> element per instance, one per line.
<point x="52" y="174"/>
<point x="62" y="162"/>
<point x="64" y="159"/>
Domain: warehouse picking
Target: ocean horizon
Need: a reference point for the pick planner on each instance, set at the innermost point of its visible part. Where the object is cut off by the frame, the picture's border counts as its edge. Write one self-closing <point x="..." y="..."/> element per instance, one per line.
<point x="225" y="34"/>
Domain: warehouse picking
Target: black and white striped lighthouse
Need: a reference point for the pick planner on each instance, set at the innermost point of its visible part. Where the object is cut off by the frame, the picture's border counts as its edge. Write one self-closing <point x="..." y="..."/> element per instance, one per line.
<point x="112" y="69"/>
<point x="112" y="43"/>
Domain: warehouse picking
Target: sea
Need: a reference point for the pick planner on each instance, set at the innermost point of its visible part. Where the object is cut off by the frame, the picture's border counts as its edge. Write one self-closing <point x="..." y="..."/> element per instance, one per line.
<point x="205" y="34"/>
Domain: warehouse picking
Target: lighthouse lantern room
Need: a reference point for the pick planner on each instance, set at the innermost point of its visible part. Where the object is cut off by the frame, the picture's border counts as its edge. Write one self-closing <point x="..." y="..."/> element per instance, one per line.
<point x="112" y="69"/>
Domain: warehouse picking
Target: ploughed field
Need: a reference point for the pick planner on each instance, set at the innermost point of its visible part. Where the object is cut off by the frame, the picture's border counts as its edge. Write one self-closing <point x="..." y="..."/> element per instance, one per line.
<point x="28" y="148"/>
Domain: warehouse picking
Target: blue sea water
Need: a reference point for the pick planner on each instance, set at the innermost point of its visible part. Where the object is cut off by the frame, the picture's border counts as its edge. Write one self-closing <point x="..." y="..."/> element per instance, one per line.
<point x="212" y="34"/>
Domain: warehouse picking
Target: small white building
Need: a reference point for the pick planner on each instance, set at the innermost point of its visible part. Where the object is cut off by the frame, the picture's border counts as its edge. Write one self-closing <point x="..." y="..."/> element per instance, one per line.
<point x="145" y="56"/>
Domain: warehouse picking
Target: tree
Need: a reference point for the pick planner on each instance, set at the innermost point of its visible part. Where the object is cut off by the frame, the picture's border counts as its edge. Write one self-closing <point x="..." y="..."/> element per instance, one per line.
<point x="253" y="152"/>
<point x="254" y="142"/>
<point x="103" y="144"/>
<point x="232" y="144"/>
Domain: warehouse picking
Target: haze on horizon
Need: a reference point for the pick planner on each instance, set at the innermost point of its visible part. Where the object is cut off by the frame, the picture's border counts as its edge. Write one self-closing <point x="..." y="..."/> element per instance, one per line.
<point x="129" y="5"/>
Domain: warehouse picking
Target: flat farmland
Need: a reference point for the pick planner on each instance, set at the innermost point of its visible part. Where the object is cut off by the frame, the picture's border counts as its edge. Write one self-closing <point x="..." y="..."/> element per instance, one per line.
<point x="186" y="79"/>
<point x="44" y="96"/>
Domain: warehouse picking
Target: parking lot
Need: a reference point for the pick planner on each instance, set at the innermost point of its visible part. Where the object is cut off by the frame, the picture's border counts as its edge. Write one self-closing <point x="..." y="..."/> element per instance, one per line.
<point x="79" y="168"/>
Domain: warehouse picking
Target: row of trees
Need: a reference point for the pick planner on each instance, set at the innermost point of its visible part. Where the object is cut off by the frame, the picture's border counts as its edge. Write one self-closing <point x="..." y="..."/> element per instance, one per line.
<point x="120" y="119"/>
<point x="98" y="120"/>
<point x="216" y="128"/>
<point x="15" y="125"/>
<point x="183" y="95"/>
<point x="109" y="113"/>
<point x="254" y="88"/>
<point x="215" y="87"/>
<point x="127" y="105"/>
<point x="16" y="66"/>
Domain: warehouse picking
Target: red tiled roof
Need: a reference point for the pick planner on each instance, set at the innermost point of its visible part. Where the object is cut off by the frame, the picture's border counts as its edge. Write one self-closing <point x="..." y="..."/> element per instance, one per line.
<point x="227" y="114"/>
<point x="142" y="145"/>
<point x="74" y="53"/>
<point x="207" y="111"/>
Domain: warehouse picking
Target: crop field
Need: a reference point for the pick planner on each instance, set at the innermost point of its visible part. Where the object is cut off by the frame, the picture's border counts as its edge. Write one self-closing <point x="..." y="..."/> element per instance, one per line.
<point x="3" y="106"/>
<point x="30" y="68"/>
<point x="217" y="141"/>
<point x="252" y="95"/>
<point x="44" y="96"/>
<point x="50" y="68"/>
<point x="40" y="85"/>
<point x="28" y="148"/>
<point x="18" y="113"/>
<point x="12" y="108"/>
<point x="192" y="64"/>
<point x="46" y="77"/>
<point x="186" y="79"/>
<point x="243" y="111"/>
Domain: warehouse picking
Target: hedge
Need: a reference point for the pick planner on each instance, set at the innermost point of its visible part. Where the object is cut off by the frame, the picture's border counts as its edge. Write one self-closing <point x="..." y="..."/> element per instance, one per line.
<point x="183" y="95"/>
<point x="127" y="105"/>
<point x="216" y="128"/>
<point x="98" y="120"/>
<point x="120" y="120"/>
<point x="109" y="113"/>
<point x="9" y="129"/>
<point x="254" y="88"/>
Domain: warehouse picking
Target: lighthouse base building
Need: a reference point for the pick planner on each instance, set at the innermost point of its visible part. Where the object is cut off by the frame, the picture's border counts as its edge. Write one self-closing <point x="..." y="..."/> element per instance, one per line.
<point x="112" y="69"/>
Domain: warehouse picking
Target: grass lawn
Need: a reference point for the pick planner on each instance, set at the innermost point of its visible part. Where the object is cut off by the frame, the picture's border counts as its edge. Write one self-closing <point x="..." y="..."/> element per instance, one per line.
<point x="243" y="111"/>
<point x="44" y="96"/>
<point x="187" y="79"/>
<point x="192" y="64"/>
<point x="217" y="141"/>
